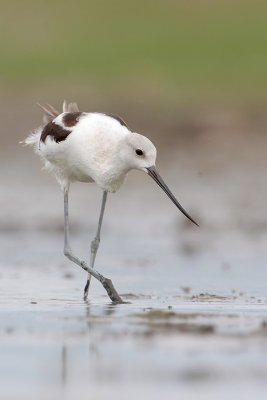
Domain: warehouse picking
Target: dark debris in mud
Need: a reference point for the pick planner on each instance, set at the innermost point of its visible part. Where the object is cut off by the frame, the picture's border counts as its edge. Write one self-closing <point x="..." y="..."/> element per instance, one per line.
<point x="161" y="321"/>
<point x="182" y="327"/>
<point x="211" y="297"/>
<point x="132" y="296"/>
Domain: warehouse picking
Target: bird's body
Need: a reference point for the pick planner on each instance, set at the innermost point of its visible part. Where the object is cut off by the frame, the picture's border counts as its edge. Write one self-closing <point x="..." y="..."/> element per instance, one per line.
<point x="93" y="147"/>
<point x="85" y="149"/>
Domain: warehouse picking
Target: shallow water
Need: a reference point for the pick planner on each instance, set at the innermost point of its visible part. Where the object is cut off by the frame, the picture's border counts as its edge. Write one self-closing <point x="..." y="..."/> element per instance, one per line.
<point x="186" y="328"/>
<point x="195" y="321"/>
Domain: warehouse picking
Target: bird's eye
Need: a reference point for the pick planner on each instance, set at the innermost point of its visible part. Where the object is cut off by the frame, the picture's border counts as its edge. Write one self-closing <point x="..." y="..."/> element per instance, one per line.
<point x="139" y="152"/>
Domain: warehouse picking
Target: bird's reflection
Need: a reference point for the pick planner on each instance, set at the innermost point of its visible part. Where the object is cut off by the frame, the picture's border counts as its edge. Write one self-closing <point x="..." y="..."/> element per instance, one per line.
<point x="95" y="316"/>
<point x="64" y="366"/>
<point x="92" y="323"/>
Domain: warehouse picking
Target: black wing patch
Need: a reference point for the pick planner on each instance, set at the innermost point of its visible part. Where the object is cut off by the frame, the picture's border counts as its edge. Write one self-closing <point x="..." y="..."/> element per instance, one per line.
<point x="71" y="119"/>
<point x="119" y="119"/>
<point x="55" y="131"/>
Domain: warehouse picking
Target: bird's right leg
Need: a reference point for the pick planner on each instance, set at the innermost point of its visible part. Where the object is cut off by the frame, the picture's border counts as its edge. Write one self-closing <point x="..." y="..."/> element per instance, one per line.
<point x="95" y="243"/>
<point x="106" y="282"/>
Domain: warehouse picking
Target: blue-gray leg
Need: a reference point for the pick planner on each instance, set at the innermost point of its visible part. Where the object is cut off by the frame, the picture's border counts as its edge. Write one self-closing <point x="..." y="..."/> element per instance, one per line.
<point x="95" y="244"/>
<point x="107" y="283"/>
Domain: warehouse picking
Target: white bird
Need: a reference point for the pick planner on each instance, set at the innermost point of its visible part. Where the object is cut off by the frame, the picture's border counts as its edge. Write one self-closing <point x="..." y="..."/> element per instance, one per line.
<point x="93" y="147"/>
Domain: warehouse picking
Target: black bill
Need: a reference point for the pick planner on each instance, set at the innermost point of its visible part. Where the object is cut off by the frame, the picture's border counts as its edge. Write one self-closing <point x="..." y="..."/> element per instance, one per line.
<point x="157" y="178"/>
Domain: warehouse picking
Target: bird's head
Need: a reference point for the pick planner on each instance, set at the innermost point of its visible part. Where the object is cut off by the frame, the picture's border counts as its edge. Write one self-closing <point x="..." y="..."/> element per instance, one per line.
<point x="138" y="152"/>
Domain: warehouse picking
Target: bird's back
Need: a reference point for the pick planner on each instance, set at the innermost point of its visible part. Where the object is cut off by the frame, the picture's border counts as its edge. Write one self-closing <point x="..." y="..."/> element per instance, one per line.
<point x="77" y="146"/>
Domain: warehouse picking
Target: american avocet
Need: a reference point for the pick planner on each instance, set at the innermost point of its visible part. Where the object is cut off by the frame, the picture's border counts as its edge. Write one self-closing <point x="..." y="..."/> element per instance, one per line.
<point x="93" y="147"/>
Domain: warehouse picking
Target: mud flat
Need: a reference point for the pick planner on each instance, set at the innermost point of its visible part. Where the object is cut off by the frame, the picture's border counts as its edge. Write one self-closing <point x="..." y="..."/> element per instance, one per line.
<point x="159" y="344"/>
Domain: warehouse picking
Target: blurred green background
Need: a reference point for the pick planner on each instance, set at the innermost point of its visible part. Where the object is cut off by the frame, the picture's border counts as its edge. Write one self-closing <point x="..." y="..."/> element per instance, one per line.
<point x="183" y="49"/>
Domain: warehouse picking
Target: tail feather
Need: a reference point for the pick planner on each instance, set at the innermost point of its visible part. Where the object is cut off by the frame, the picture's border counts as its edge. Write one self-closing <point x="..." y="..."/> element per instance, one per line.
<point x="71" y="107"/>
<point x="54" y="111"/>
<point x="33" y="140"/>
<point x="51" y="112"/>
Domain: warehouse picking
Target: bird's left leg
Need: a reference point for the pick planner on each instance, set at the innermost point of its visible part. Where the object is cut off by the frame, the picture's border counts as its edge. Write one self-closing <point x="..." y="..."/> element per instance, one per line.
<point x="106" y="282"/>
<point x="95" y="243"/>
